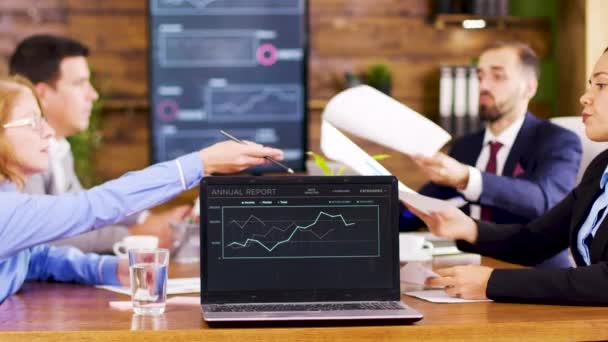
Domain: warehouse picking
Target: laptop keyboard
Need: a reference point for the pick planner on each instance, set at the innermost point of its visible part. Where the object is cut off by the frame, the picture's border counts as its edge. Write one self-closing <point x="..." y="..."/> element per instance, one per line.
<point x="304" y="307"/>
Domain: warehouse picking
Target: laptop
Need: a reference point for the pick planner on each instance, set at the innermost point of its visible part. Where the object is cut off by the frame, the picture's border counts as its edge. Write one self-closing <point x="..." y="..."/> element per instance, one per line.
<point x="300" y="248"/>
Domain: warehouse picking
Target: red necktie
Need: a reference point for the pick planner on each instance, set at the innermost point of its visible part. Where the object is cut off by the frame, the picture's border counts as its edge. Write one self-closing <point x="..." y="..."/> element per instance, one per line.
<point x="486" y="213"/>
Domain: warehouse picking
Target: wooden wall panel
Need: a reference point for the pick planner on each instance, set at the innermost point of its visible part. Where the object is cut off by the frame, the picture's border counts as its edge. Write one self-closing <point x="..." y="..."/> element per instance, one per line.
<point x="413" y="37"/>
<point x="119" y="52"/>
<point x="380" y="8"/>
<point x="121" y="76"/>
<point x="111" y="33"/>
<point x="17" y="25"/>
<point x="571" y="84"/>
<point x="19" y="5"/>
<point x="125" y="143"/>
<point x="117" y="7"/>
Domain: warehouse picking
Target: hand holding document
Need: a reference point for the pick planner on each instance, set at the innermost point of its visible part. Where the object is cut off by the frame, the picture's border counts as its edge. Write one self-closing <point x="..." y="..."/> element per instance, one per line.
<point x="428" y="204"/>
<point x="368" y="113"/>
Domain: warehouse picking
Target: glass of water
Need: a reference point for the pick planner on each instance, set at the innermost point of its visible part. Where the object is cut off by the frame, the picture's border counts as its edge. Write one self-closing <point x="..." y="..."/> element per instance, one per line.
<point x="148" y="269"/>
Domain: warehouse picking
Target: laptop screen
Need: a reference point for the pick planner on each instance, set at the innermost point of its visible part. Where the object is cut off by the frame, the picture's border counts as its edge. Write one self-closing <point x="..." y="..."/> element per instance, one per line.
<point x="269" y="239"/>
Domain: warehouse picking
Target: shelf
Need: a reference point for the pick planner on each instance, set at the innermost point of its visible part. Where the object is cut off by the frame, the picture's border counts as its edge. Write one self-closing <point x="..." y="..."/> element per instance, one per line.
<point x="140" y="104"/>
<point x="443" y="21"/>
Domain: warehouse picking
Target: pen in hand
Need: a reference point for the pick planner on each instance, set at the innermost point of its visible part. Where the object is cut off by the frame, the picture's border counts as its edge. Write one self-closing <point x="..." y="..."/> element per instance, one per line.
<point x="231" y="137"/>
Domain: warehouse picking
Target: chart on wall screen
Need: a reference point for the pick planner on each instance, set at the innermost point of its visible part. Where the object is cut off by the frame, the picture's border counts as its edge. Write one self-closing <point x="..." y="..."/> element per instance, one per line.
<point x="233" y="65"/>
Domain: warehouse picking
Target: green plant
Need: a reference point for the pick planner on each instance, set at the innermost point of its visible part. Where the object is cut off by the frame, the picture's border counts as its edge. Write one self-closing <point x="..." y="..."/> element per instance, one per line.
<point x="320" y="161"/>
<point x="84" y="145"/>
<point x="379" y="76"/>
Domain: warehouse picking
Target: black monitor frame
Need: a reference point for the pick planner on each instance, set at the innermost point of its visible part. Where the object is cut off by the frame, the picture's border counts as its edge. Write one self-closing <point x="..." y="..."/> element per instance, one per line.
<point x="304" y="127"/>
<point x="389" y="293"/>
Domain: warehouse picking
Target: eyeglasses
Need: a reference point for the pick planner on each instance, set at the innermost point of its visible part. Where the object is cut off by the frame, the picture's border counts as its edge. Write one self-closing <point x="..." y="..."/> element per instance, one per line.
<point x="35" y="122"/>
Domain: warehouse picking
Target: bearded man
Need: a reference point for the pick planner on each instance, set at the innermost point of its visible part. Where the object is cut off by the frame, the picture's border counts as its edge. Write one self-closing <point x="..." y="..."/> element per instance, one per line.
<point x="518" y="166"/>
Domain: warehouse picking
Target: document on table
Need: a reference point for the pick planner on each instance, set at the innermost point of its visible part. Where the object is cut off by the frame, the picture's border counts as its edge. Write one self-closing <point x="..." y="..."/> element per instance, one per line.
<point x="440" y="296"/>
<point x="337" y="146"/>
<point x="174" y="286"/>
<point x="373" y="115"/>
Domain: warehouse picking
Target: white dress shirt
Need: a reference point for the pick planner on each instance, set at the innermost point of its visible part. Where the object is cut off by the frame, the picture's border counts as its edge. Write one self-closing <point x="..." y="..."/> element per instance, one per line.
<point x="58" y="150"/>
<point x="474" y="187"/>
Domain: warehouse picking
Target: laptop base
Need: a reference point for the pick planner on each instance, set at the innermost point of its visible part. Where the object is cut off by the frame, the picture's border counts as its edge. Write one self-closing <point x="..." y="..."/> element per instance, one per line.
<point x="403" y="312"/>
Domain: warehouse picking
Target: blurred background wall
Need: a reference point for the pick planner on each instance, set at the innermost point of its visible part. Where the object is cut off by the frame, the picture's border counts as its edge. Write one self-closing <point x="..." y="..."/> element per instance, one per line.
<point x="345" y="36"/>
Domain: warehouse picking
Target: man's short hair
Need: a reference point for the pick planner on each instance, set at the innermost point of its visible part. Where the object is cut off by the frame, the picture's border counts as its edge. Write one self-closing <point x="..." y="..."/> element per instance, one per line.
<point x="527" y="57"/>
<point x="38" y="57"/>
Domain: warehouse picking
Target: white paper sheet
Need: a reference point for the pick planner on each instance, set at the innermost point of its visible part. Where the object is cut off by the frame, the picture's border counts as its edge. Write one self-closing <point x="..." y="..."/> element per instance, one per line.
<point x="440" y="296"/>
<point x="174" y="286"/>
<point x="337" y="146"/>
<point x="424" y="203"/>
<point x="370" y="114"/>
<point x="416" y="273"/>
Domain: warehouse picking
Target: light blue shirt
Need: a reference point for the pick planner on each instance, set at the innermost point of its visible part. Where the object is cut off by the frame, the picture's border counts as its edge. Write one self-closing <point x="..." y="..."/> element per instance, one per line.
<point x="592" y="222"/>
<point x="27" y="221"/>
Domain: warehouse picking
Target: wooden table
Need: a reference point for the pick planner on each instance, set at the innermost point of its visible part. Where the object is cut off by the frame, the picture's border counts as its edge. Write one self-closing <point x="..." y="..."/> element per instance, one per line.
<point x="62" y="312"/>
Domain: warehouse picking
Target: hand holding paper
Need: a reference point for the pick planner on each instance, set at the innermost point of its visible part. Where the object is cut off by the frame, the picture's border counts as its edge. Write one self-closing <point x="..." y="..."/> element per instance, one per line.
<point x="443" y="169"/>
<point x="337" y="146"/>
<point x="424" y="204"/>
<point x="448" y="222"/>
<point x="368" y="113"/>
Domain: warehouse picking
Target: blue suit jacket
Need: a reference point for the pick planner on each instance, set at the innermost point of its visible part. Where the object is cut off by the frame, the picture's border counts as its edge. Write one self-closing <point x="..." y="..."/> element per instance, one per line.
<point x="539" y="172"/>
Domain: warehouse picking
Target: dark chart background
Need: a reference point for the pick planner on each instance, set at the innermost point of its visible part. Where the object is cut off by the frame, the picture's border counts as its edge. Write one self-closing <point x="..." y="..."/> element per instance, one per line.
<point x="327" y="236"/>
<point x="236" y="65"/>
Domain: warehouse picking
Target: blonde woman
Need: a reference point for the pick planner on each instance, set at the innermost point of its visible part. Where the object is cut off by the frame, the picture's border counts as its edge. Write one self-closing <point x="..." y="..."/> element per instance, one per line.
<point x="579" y="222"/>
<point x="27" y="221"/>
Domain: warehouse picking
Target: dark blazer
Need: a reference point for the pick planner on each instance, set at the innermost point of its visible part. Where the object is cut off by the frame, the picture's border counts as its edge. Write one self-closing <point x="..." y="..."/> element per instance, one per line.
<point x="540" y="170"/>
<point x="543" y="237"/>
